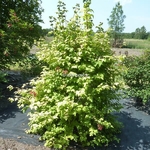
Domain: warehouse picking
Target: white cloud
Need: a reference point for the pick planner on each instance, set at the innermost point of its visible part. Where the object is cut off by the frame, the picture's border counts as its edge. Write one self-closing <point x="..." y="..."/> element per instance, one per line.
<point x="123" y="2"/>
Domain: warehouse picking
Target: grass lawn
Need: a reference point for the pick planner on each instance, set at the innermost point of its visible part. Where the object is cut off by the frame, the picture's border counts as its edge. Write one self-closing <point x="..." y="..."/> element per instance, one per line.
<point x="137" y="44"/>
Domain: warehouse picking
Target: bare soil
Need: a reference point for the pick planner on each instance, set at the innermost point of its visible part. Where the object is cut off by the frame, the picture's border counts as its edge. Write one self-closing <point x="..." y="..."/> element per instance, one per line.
<point x="124" y="51"/>
<point x="10" y="144"/>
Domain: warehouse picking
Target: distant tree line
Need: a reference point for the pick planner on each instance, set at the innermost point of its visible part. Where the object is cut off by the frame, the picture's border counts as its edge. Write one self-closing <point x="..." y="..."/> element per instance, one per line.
<point x="139" y="33"/>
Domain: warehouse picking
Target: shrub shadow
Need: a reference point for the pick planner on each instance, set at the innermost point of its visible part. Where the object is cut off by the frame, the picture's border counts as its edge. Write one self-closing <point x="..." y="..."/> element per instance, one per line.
<point x="134" y="135"/>
<point x="9" y="112"/>
<point x="9" y="109"/>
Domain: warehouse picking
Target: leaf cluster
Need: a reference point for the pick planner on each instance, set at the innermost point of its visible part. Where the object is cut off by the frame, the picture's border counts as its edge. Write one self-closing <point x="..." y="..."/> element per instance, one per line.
<point x="19" y="27"/>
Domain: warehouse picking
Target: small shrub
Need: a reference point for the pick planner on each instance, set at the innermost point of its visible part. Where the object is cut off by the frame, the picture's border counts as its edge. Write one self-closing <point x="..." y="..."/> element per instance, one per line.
<point x="3" y="77"/>
<point x="2" y="80"/>
<point x="137" y="77"/>
<point x="126" y="53"/>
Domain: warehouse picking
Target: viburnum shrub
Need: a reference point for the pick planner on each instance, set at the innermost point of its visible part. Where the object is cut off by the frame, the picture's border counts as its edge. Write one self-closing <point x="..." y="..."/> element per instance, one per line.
<point x="76" y="95"/>
<point x="137" y="77"/>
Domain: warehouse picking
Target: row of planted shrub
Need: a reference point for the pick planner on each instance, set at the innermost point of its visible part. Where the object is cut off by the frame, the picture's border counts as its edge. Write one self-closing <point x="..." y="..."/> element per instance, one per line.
<point x="137" y="77"/>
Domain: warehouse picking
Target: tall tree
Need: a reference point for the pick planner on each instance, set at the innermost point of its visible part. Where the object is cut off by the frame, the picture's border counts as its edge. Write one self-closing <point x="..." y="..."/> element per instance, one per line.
<point x="116" y="23"/>
<point x="19" y="27"/>
<point x="137" y="33"/>
<point x="141" y="33"/>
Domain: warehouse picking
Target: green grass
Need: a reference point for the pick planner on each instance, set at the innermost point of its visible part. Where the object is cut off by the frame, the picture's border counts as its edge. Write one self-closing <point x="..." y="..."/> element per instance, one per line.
<point x="137" y="44"/>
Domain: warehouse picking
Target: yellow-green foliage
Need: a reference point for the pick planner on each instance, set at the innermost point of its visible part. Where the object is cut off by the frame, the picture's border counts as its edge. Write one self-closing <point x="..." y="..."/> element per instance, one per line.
<point x="75" y="96"/>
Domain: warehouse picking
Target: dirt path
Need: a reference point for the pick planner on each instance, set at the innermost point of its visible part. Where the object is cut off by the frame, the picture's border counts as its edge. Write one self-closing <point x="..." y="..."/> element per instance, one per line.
<point x="131" y="52"/>
<point x="9" y="144"/>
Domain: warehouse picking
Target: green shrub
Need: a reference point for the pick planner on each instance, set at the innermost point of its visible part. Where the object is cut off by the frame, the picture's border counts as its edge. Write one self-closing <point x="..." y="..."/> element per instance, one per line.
<point x="137" y="77"/>
<point x="29" y="66"/>
<point x="18" y="29"/>
<point x="2" y="80"/>
<point x="3" y="77"/>
<point x="75" y="97"/>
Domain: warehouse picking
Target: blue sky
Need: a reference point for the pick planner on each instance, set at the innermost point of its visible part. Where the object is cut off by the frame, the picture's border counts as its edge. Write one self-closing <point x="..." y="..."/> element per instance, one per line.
<point x="137" y="12"/>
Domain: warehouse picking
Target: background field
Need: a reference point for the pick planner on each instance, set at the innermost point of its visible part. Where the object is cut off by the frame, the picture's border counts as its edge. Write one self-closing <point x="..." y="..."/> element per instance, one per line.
<point x="137" y="43"/>
<point x="133" y="47"/>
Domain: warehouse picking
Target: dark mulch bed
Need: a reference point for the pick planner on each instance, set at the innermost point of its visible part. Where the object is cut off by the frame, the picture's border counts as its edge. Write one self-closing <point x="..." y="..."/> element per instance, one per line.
<point x="134" y="136"/>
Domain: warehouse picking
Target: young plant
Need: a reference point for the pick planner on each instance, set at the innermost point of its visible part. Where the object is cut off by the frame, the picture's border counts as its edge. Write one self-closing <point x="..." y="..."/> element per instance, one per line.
<point x="75" y="96"/>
